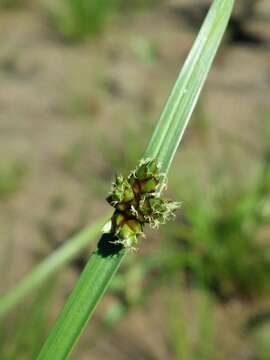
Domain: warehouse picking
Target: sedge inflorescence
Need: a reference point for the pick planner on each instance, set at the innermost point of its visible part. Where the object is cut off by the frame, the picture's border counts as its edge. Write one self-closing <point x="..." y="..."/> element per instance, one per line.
<point x="137" y="201"/>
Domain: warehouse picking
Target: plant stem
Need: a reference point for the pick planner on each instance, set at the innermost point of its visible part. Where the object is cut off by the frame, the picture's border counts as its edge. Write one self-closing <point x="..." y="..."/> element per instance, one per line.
<point x="162" y="147"/>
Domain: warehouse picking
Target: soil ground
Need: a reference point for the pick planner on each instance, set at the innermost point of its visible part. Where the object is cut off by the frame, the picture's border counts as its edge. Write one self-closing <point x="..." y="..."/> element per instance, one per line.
<point x="63" y="101"/>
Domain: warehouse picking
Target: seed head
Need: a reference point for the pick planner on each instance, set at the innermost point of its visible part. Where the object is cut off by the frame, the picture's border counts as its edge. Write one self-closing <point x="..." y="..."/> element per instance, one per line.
<point x="138" y="202"/>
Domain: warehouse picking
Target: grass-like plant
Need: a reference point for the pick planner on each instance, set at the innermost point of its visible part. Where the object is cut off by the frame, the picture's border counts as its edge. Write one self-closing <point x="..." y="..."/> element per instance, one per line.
<point x="137" y="198"/>
<point x="80" y="18"/>
<point x="219" y="242"/>
<point x="49" y="266"/>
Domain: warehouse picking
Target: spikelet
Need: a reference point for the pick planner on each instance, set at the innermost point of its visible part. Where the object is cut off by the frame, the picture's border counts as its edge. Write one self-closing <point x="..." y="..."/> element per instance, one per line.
<point x="137" y="201"/>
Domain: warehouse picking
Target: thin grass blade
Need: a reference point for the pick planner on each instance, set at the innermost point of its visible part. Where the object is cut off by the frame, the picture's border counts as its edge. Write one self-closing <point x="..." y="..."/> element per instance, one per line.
<point x="178" y="109"/>
<point x="50" y="266"/>
<point x="166" y="138"/>
<point x="83" y="300"/>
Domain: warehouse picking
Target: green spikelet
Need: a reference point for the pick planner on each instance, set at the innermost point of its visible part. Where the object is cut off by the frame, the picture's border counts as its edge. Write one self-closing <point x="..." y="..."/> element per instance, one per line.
<point x="137" y="201"/>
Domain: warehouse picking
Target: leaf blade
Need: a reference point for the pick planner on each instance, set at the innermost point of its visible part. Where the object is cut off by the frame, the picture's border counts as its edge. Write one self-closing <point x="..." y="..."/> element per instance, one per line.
<point x="82" y="302"/>
<point x="178" y="109"/>
<point x="162" y="146"/>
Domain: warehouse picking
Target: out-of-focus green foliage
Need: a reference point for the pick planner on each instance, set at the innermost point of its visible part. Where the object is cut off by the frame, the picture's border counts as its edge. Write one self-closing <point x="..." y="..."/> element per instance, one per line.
<point x="81" y="18"/>
<point x="222" y="236"/>
<point x="50" y="265"/>
<point x="77" y="19"/>
<point x="221" y="245"/>
<point x="18" y="341"/>
<point x="11" y="179"/>
<point x="184" y="344"/>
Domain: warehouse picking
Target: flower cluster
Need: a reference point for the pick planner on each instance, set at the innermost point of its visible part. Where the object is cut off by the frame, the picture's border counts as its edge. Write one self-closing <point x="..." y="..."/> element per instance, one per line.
<point x="136" y="199"/>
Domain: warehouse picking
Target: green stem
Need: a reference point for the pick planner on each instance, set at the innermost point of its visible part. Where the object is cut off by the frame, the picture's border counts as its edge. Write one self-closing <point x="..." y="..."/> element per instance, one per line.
<point x="163" y="144"/>
<point x="83" y="300"/>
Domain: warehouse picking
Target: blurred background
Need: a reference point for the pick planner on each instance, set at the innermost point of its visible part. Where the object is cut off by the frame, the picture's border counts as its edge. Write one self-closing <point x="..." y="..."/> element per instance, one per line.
<point x="82" y="84"/>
